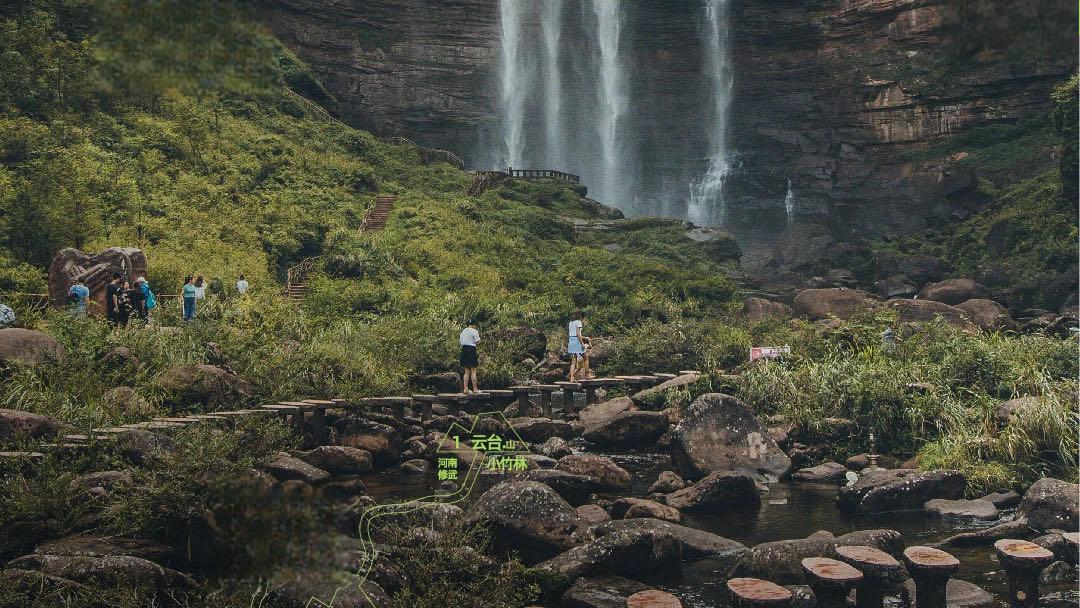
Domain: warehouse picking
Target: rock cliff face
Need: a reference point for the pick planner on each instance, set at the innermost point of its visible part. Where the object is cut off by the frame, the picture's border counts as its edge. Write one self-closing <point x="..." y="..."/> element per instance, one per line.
<point x="866" y="106"/>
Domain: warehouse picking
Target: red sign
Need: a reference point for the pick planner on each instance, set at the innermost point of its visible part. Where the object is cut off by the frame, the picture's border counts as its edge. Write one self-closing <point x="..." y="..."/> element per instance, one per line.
<point x="768" y="352"/>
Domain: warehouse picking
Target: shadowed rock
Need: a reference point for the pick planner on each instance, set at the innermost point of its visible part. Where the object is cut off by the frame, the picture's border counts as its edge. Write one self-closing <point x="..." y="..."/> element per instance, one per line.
<point x="612" y="477"/>
<point x="629" y="429"/>
<point x="601" y="592"/>
<point x="696" y="543"/>
<point x="962" y="509"/>
<point x="528" y="516"/>
<point x="900" y="490"/>
<point x="29" y="346"/>
<point x="720" y="433"/>
<point x="717" y="490"/>
<point x="574" y="488"/>
<point x="954" y="291"/>
<point x="1051" y="504"/>
<point x="623" y="552"/>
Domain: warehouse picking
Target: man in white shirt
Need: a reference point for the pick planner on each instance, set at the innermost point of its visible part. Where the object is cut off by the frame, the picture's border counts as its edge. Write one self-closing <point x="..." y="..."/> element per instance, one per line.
<point x="470" y="358"/>
<point x="241" y="285"/>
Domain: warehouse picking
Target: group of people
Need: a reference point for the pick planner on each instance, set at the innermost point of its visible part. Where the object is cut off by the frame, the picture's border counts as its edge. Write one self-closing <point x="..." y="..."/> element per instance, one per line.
<point x="577" y="347"/>
<point x="125" y="300"/>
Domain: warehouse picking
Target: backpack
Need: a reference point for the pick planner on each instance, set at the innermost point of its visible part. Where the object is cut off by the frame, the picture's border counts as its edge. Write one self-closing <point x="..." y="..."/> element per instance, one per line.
<point x="7" y="316"/>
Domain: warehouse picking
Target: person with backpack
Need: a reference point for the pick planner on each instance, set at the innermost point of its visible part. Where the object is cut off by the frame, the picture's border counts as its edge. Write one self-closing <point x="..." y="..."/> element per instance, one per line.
<point x="149" y="301"/>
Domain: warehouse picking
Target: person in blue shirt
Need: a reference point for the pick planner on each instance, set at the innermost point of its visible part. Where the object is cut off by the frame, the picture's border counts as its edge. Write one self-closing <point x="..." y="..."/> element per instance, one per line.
<point x="187" y="294"/>
<point x="147" y="301"/>
<point x="78" y="294"/>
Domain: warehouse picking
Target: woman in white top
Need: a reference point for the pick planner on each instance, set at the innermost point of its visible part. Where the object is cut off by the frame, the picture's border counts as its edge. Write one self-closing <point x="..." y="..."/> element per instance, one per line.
<point x="577" y="346"/>
<point x="200" y="288"/>
<point x="470" y="358"/>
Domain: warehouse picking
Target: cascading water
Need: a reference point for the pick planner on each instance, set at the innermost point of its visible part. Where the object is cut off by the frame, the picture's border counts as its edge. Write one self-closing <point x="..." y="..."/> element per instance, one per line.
<point x="707" y="204"/>
<point x="555" y="138"/>
<point x="512" y="90"/>
<point x="612" y="96"/>
<point x="789" y="204"/>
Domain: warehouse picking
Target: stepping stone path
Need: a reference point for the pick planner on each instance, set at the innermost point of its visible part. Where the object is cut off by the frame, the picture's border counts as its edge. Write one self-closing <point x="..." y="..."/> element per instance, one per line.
<point x="881" y="573"/>
<point x="653" y="599"/>
<point x="931" y="570"/>
<point x="756" y="593"/>
<point x="1023" y="562"/>
<point x="831" y="580"/>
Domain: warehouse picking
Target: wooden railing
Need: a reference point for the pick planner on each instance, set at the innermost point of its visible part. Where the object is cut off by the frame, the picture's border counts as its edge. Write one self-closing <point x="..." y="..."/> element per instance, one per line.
<point x="542" y="174"/>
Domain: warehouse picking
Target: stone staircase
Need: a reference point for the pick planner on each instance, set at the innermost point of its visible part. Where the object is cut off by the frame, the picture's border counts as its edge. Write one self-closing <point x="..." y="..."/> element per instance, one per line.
<point x="375" y="219"/>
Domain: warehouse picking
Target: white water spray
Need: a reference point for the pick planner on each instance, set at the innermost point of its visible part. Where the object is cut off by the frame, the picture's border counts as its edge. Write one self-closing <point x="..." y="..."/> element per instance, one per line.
<point x="551" y="30"/>
<point x="512" y="90"/>
<point x="789" y="204"/>
<point x="707" y="204"/>
<point x="613" y="101"/>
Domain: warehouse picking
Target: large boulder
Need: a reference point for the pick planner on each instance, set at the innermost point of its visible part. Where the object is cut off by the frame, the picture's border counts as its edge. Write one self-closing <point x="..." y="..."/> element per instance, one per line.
<point x="1005" y="410"/>
<point x="757" y="309"/>
<point x="539" y="430"/>
<point x="17" y="423"/>
<point x="781" y="561"/>
<point x="598" y="413"/>
<point x="838" y="302"/>
<point x="339" y="459"/>
<point x="631" y="508"/>
<point x="696" y="544"/>
<point x="623" y="553"/>
<point x="382" y="441"/>
<point x="900" y="490"/>
<point x="574" y="488"/>
<point x="29" y="346"/>
<point x="654" y="398"/>
<point x="93" y="270"/>
<point x="117" y="571"/>
<point x="667" y="482"/>
<point x="1051" y="504"/>
<point x="954" y="291"/>
<point x="720" y="433"/>
<point x="987" y="314"/>
<point x="927" y="311"/>
<point x="554" y="447"/>
<point x="286" y="467"/>
<point x="612" y="477"/>
<point x="719" y="489"/>
<point x="186" y="386"/>
<point x="601" y="592"/>
<point x="529" y="517"/>
<point x="629" y="429"/>
<point x="896" y="286"/>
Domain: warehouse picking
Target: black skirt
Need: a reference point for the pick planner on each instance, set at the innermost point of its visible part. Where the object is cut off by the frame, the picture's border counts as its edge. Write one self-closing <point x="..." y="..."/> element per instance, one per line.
<point x="469" y="356"/>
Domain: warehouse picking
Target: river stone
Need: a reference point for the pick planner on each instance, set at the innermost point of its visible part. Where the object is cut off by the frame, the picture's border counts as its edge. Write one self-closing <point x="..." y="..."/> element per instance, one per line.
<point x="382" y="441"/>
<point x="667" y="482"/>
<point x="958" y="594"/>
<point x="838" y="302"/>
<point x="629" y="429"/>
<point x="717" y="490"/>
<point x="654" y="399"/>
<point x="599" y="413"/>
<point x="612" y="477"/>
<point x="601" y="592"/>
<point x="633" y="508"/>
<point x="528" y="516"/>
<point x="1003" y="500"/>
<point x="696" y="544"/>
<point x="962" y="509"/>
<point x="538" y="430"/>
<point x="17" y="423"/>
<point x="106" y="570"/>
<point x="574" y="488"/>
<point x="720" y="433"/>
<point x="829" y="472"/>
<point x="286" y="467"/>
<point x="954" y="291"/>
<point x="1051" y="504"/>
<point x="622" y="552"/>
<point x="29" y="346"/>
<point x="900" y="490"/>
<point x="1005" y="410"/>
<point x="781" y="561"/>
<point x="594" y="514"/>
<point x="554" y="447"/>
<point x="339" y="459"/>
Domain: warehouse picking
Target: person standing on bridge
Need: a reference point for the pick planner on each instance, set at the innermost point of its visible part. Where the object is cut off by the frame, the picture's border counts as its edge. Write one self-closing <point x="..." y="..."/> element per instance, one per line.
<point x="577" y="347"/>
<point x="470" y="358"/>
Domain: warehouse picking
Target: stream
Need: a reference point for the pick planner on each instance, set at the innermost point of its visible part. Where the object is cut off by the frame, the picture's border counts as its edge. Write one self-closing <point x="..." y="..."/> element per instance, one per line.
<point x="789" y="510"/>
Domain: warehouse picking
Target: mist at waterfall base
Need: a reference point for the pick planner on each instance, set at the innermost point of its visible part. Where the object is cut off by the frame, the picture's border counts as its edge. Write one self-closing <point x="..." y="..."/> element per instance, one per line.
<point x="586" y="87"/>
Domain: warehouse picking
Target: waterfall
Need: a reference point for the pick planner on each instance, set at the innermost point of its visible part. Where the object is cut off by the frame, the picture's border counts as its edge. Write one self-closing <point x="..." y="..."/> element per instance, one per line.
<point x="512" y="89"/>
<point x="707" y="204"/>
<point x="789" y="204"/>
<point x="612" y="96"/>
<point x="551" y="29"/>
